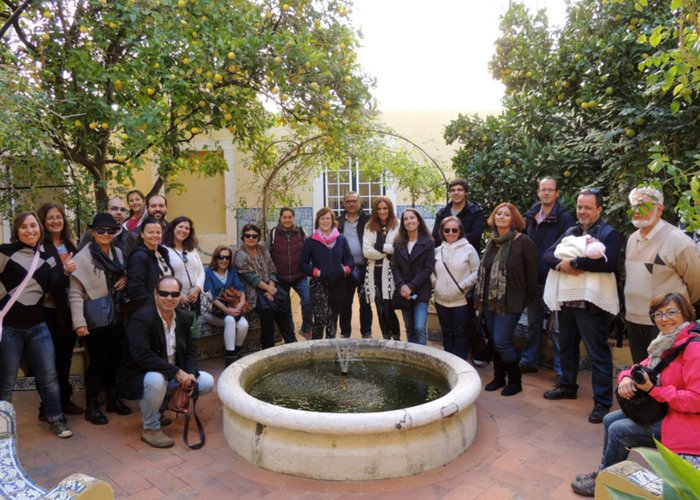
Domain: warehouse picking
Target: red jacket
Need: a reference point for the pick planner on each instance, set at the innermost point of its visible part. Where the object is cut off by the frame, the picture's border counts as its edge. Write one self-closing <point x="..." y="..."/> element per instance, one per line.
<point x="680" y="388"/>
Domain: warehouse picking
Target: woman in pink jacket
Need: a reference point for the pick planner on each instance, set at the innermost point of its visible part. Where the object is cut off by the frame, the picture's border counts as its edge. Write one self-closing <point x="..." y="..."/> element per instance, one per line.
<point x="679" y="387"/>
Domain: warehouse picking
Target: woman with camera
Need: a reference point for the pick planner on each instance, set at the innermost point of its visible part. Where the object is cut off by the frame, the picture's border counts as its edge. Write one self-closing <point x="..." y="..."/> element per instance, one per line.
<point x="678" y="387"/>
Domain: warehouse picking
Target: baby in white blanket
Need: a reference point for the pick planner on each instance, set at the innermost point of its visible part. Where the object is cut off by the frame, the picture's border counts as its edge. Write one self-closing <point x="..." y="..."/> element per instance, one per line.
<point x="597" y="288"/>
<point x="571" y="247"/>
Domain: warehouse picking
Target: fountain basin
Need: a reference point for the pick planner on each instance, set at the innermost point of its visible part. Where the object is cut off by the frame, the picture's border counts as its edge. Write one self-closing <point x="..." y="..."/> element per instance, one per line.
<point x="350" y="446"/>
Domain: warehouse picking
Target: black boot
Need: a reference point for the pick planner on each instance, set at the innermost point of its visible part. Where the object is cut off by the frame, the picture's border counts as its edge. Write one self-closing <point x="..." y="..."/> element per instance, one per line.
<point x="514" y="379"/>
<point x="499" y="374"/>
<point x="93" y="413"/>
<point x="115" y="405"/>
<point x="231" y="357"/>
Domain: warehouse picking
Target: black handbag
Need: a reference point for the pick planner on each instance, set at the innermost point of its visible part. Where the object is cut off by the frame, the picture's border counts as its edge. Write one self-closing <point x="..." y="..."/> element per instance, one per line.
<point x="398" y="302"/>
<point x="642" y="407"/>
<point x="280" y="302"/>
<point x="480" y="345"/>
<point x="99" y="312"/>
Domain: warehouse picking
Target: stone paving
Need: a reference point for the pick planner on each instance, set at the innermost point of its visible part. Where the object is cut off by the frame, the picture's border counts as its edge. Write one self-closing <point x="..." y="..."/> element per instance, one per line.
<point x="526" y="447"/>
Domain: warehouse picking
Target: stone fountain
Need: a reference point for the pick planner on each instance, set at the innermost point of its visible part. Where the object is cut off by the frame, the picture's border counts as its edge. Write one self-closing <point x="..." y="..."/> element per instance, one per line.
<point x="350" y="446"/>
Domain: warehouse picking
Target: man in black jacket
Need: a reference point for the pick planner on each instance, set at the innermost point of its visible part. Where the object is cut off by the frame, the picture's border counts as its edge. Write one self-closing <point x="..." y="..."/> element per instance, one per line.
<point x="352" y="224"/>
<point x="471" y="214"/>
<point x="159" y="356"/>
<point x="545" y="222"/>
<point x="581" y="319"/>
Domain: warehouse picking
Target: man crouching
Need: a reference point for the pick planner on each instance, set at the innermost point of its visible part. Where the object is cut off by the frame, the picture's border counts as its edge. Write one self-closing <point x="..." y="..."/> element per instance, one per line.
<point x="159" y="356"/>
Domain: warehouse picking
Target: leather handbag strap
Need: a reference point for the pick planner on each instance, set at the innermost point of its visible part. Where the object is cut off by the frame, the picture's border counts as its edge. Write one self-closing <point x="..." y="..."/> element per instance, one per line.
<point x="198" y="423"/>
<point x="448" y="271"/>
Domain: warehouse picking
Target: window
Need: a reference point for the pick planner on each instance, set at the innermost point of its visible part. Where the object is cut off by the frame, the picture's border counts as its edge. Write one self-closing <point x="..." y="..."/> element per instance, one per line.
<point x="350" y="178"/>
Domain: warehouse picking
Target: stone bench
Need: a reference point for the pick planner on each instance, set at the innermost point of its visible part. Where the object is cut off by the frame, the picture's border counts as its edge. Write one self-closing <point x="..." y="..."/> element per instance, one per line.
<point x="16" y="483"/>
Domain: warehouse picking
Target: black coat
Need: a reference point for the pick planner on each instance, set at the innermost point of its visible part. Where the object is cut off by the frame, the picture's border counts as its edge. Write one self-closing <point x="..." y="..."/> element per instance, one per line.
<point x="544" y="234"/>
<point x="472" y="217"/>
<point x="143" y="273"/>
<point x="415" y="269"/>
<point x="146" y="351"/>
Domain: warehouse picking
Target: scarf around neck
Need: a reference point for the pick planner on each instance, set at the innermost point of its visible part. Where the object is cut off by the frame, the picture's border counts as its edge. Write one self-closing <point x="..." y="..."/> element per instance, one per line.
<point x="329" y="240"/>
<point x="495" y="296"/>
<point x="113" y="268"/>
<point x="662" y="343"/>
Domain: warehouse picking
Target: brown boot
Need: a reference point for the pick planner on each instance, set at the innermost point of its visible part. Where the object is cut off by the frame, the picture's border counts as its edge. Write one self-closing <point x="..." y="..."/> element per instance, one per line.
<point x="156" y="438"/>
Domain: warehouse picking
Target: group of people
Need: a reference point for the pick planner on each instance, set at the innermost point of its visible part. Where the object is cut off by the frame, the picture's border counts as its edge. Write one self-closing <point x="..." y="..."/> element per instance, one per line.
<point x="135" y="282"/>
<point x="129" y="273"/>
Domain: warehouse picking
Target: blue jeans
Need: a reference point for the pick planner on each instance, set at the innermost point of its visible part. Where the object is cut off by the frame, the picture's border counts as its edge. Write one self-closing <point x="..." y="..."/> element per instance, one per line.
<point x="530" y="356"/>
<point x="502" y="327"/>
<point x="622" y="434"/>
<point x="156" y="387"/>
<point x="302" y="288"/>
<point x="416" y="320"/>
<point x="456" y="326"/>
<point x="589" y="325"/>
<point x="36" y="343"/>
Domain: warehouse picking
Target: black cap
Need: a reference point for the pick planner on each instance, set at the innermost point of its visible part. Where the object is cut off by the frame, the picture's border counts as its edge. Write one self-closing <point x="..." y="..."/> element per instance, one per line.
<point x="103" y="220"/>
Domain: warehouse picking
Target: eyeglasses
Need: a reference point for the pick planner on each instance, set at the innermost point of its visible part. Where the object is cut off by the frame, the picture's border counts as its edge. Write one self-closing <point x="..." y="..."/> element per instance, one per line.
<point x="670" y="314"/>
<point x="184" y="256"/>
<point x="163" y="293"/>
<point x="223" y="257"/>
<point x="251" y="236"/>
<point x="118" y="209"/>
<point x="548" y="190"/>
<point x="448" y="230"/>
<point x="108" y="230"/>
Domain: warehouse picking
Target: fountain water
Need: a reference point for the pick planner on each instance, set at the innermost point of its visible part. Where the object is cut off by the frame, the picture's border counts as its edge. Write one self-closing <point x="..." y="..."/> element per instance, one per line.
<point x="350" y="446"/>
<point x="343" y="355"/>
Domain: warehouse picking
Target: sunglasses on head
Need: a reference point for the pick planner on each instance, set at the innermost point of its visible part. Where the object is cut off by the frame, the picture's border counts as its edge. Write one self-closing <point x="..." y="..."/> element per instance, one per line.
<point x="252" y="236"/>
<point x="108" y="230"/>
<point x="448" y="230"/>
<point x="163" y="293"/>
<point x="223" y="257"/>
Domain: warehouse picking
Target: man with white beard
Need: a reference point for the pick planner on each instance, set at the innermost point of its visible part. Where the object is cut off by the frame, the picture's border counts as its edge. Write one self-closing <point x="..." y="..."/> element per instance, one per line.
<point x="660" y="258"/>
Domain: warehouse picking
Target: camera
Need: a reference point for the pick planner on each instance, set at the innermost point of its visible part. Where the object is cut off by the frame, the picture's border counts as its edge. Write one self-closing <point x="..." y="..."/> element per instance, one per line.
<point x="637" y="374"/>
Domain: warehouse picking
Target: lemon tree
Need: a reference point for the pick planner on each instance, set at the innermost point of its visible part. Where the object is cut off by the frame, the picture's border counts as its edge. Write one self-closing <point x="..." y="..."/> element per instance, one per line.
<point x="127" y="81"/>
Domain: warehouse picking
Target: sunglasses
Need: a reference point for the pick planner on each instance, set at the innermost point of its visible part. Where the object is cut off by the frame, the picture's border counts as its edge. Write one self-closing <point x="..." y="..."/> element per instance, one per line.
<point x="448" y="230"/>
<point x="252" y="236"/>
<point x="108" y="230"/>
<point x="223" y="257"/>
<point x="163" y="293"/>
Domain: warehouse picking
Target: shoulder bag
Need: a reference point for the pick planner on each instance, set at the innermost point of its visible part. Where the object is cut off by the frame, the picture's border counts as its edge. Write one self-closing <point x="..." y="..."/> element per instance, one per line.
<point x="453" y="278"/>
<point x="642" y="407"/>
<point x="99" y="312"/>
<point x="184" y="402"/>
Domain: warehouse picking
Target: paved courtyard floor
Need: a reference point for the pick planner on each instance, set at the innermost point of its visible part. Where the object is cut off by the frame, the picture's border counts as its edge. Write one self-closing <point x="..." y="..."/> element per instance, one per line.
<point x="526" y="447"/>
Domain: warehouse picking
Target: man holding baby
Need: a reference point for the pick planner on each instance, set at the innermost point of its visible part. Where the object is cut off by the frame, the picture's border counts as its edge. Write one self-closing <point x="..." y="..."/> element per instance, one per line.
<point x="583" y="286"/>
<point x="660" y="259"/>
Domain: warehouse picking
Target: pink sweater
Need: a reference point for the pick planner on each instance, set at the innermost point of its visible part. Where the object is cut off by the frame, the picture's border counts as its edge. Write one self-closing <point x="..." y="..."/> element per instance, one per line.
<point x="680" y="388"/>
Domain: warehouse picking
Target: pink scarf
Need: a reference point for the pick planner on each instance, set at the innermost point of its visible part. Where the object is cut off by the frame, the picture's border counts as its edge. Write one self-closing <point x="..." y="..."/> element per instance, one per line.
<point x="329" y="240"/>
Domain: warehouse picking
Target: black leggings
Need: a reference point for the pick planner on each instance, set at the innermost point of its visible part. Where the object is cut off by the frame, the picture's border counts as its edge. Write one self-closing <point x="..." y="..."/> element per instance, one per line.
<point x="104" y="346"/>
<point x="388" y="321"/>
